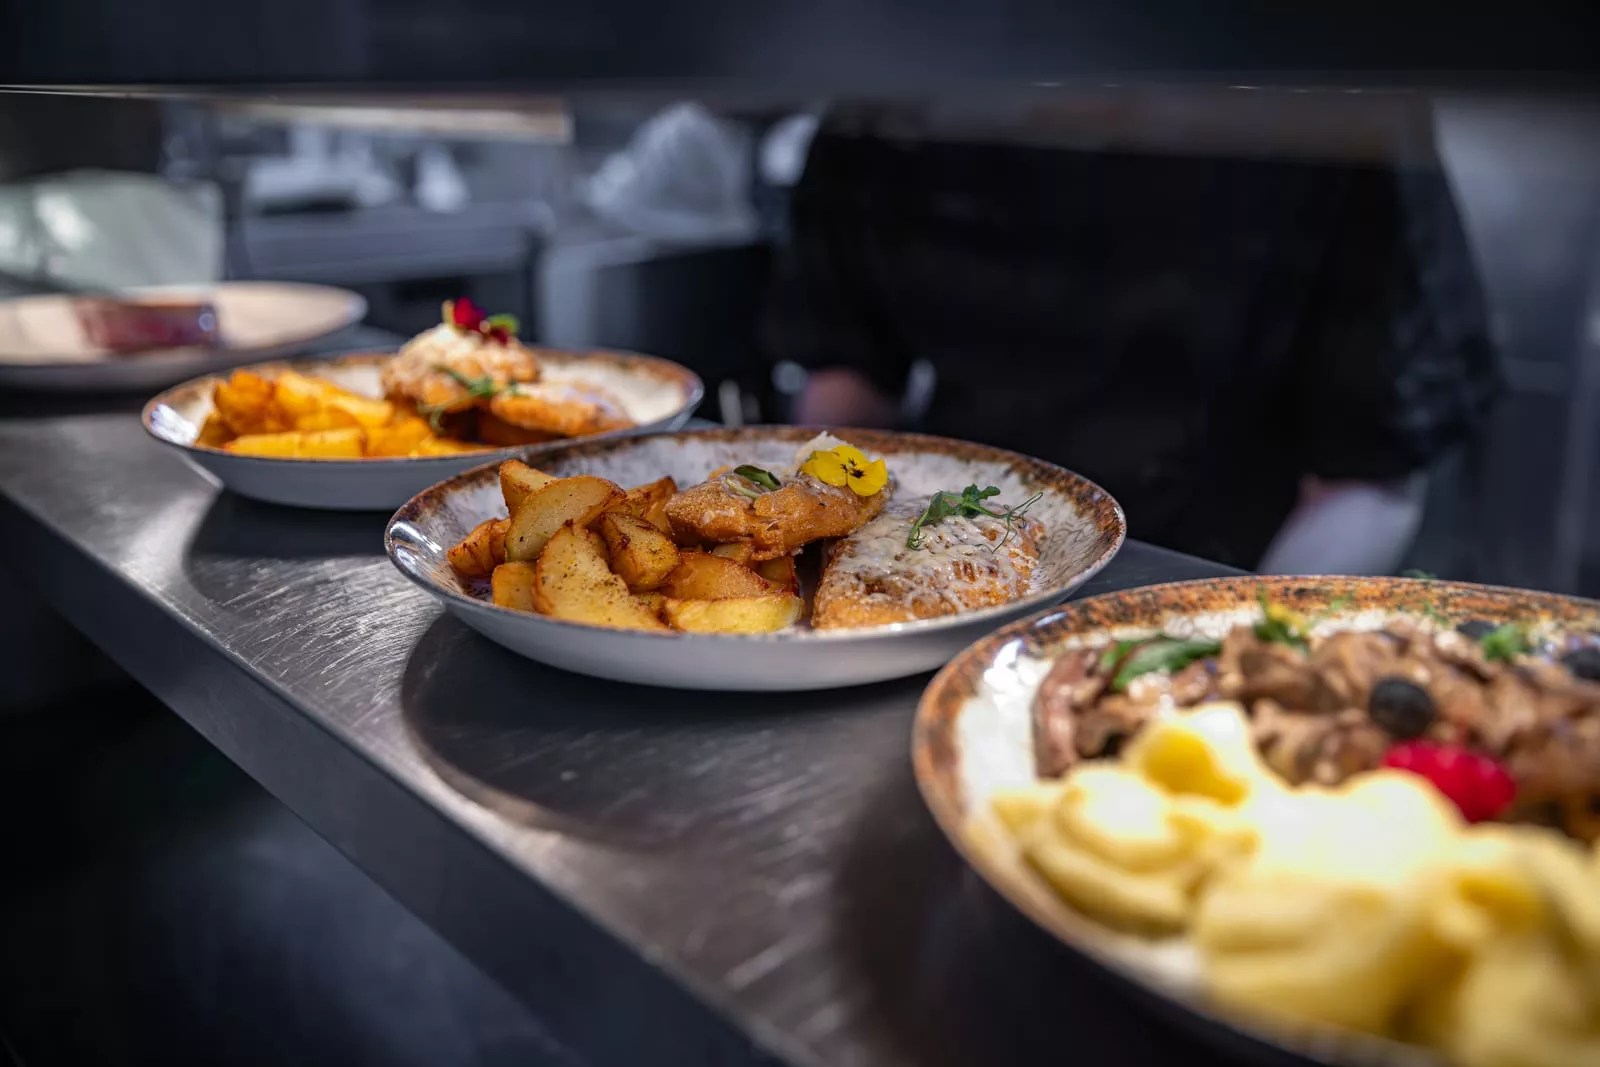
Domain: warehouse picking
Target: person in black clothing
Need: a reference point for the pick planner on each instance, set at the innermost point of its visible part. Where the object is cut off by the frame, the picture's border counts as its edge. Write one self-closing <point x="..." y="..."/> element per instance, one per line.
<point x="1255" y="349"/>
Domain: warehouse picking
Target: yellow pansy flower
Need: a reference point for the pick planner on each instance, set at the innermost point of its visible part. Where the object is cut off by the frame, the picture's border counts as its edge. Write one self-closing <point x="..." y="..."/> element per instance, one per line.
<point x="848" y="465"/>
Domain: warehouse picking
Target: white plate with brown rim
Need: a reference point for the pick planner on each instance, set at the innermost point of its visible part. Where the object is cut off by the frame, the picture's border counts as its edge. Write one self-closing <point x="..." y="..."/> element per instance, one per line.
<point x="1083" y="527"/>
<point x="656" y="393"/>
<point x="44" y="344"/>
<point x="975" y="736"/>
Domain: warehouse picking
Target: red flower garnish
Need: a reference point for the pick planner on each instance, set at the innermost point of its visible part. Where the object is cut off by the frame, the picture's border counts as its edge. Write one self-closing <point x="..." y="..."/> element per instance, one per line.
<point x="463" y="314"/>
<point x="466" y="316"/>
<point x="1474" y="783"/>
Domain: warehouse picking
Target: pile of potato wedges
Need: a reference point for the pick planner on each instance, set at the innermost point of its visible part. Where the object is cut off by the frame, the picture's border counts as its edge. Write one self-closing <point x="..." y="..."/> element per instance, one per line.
<point x="586" y="550"/>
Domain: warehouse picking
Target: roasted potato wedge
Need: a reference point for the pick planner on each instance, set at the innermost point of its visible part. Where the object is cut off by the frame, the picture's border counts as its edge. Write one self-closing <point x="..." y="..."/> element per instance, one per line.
<point x="578" y="500"/>
<point x="734" y="615"/>
<point x="738" y="551"/>
<point x="702" y="576"/>
<point x="321" y="444"/>
<point x="572" y="581"/>
<point x="517" y="480"/>
<point x="399" y="438"/>
<point x="482" y="550"/>
<point x="780" y="572"/>
<point x="649" y="502"/>
<point x="652" y="602"/>
<point x="641" y="555"/>
<point x="512" y="585"/>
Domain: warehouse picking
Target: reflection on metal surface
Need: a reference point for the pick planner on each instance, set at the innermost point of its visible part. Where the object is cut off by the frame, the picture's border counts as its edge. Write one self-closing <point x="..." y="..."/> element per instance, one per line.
<point x="748" y="879"/>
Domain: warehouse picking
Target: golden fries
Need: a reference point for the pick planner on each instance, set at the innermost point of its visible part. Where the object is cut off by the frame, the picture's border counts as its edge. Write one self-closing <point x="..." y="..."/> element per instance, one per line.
<point x="585" y="550"/>
<point x="297" y="416"/>
<point x="313" y="444"/>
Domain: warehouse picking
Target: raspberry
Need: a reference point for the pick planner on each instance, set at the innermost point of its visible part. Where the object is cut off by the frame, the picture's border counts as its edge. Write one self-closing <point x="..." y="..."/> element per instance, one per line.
<point x="1476" y="784"/>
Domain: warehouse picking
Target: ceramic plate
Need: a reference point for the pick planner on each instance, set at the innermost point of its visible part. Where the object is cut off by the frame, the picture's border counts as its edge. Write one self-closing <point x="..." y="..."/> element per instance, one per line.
<point x="973" y="737"/>
<point x="43" y="347"/>
<point x="1084" y="528"/>
<point x="658" y="395"/>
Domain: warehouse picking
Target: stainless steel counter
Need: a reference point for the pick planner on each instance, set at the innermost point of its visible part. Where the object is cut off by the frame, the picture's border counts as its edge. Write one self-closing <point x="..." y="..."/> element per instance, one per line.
<point x="665" y="878"/>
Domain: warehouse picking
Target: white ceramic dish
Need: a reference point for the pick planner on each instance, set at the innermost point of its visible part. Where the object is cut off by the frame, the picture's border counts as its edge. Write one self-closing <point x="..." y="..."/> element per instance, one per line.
<point x="1084" y="527"/>
<point x="658" y="395"/>
<point x="42" y="346"/>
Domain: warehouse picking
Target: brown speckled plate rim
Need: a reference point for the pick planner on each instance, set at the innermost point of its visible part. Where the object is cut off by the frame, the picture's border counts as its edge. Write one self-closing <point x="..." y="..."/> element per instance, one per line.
<point x="936" y="759"/>
<point x="691" y="389"/>
<point x="1093" y="503"/>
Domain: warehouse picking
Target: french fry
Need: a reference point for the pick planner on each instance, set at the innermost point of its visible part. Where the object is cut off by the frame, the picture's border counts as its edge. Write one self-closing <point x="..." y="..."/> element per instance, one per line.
<point x="214" y="432"/>
<point x="641" y="555"/>
<point x="578" y="500"/>
<point x="517" y="480"/>
<point x="247" y="405"/>
<point x="512" y="585"/>
<point x="324" y="419"/>
<point x="441" y="446"/>
<point x="322" y="444"/>
<point x="301" y="395"/>
<point x="482" y="550"/>
<point x="734" y="615"/>
<point x="572" y="581"/>
<point x="399" y="438"/>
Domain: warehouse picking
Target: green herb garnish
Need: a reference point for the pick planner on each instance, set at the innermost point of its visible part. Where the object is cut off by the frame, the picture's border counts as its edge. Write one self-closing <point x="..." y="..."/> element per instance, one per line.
<point x="1162" y="654"/>
<point x="1421" y="576"/>
<point x="967" y="504"/>
<point x="765" y="479"/>
<point x="1115" y="651"/>
<point x="1286" y="626"/>
<point x="1505" y="642"/>
<point x="477" y="389"/>
<point x="505" y="322"/>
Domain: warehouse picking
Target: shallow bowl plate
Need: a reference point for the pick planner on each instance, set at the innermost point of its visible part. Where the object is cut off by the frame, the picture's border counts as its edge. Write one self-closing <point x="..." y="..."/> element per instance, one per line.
<point x="658" y="395"/>
<point x="1083" y="526"/>
<point x="43" y="347"/>
<point x="973" y="737"/>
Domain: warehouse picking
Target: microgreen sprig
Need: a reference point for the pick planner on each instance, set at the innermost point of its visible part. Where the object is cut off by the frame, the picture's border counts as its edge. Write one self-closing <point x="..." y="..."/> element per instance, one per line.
<point x="967" y="504"/>
<point x="477" y="389"/>
<point x="750" y="481"/>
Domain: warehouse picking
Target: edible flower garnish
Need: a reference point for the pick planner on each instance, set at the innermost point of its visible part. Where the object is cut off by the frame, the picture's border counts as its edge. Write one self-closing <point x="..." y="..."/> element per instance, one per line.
<point x="969" y="504"/>
<point x="1285" y="626"/>
<point x="477" y="389"/>
<point x="750" y="481"/>
<point x="467" y="317"/>
<point x="848" y="465"/>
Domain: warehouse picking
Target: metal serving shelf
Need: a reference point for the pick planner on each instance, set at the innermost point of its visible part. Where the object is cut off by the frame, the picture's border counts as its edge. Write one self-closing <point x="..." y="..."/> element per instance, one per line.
<point x="662" y="877"/>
